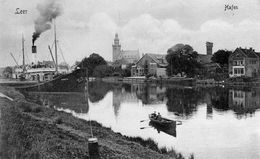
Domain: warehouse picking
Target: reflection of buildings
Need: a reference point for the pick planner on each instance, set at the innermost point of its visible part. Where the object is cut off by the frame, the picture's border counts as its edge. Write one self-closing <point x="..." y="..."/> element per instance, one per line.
<point x="183" y="101"/>
<point x="243" y="102"/>
<point x="150" y="94"/>
<point x="121" y="95"/>
<point x="74" y="101"/>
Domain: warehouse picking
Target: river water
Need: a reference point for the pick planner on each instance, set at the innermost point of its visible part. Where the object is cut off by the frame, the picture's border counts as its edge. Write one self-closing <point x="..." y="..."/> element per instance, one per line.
<point x="216" y="122"/>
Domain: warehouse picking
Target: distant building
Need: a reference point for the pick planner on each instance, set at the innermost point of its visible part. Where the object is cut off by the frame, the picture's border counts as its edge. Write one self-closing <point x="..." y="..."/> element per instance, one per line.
<point x="244" y="62"/>
<point x="131" y="56"/>
<point x="152" y="64"/>
<point x="206" y="58"/>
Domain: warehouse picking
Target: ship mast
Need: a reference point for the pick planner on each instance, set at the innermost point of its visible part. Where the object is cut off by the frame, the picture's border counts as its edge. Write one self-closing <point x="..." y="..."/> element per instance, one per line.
<point x="23" y="54"/>
<point x="55" y="45"/>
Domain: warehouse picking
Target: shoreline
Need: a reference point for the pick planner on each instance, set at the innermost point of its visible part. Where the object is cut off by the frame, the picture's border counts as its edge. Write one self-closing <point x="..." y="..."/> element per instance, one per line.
<point x="33" y="130"/>
<point x="182" y="82"/>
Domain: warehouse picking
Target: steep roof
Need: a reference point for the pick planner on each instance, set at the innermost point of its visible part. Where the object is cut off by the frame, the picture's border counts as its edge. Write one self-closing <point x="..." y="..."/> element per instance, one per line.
<point x="130" y="52"/>
<point x="248" y="52"/>
<point x="158" y="58"/>
<point x="258" y="54"/>
<point x="120" y="62"/>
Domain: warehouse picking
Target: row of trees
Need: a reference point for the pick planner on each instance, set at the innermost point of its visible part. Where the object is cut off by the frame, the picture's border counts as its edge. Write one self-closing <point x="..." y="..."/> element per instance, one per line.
<point x="221" y="57"/>
<point x="182" y="60"/>
<point x="98" y="67"/>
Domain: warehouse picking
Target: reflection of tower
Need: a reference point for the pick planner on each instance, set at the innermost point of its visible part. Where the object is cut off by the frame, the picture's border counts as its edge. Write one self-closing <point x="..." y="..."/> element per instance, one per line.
<point x="208" y="100"/>
<point x="116" y="49"/>
<point x="209" y="46"/>
<point x="116" y="101"/>
<point x="209" y="111"/>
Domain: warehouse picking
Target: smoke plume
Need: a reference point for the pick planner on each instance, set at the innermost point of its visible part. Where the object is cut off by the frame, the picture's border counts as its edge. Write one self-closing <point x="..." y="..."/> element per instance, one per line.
<point x="48" y="10"/>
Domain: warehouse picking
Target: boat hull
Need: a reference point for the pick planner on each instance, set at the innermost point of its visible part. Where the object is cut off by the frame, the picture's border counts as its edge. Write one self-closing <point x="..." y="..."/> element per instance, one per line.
<point x="72" y="82"/>
<point x="161" y="121"/>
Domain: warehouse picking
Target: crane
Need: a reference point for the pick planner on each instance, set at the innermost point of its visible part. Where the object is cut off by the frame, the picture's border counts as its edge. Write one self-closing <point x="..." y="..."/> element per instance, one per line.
<point x="14" y="59"/>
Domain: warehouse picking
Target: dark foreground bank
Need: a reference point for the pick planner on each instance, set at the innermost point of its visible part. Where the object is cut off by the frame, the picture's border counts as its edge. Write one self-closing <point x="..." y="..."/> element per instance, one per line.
<point x="29" y="130"/>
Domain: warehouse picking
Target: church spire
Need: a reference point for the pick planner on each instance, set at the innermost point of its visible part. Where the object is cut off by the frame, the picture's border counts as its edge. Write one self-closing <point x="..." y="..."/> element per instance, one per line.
<point x="116" y="40"/>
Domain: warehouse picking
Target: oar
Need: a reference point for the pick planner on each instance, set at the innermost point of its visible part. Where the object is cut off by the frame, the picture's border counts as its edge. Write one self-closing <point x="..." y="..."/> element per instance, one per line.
<point x="145" y="127"/>
<point x="178" y="122"/>
<point x="143" y="120"/>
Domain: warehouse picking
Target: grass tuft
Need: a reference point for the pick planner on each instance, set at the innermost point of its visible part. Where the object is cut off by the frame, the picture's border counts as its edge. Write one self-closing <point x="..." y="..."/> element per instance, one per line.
<point x="58" y="120"/>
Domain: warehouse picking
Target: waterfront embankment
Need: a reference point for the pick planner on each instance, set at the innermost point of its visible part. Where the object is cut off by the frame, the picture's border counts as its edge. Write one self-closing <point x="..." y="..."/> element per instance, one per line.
<point x="31" y="130"/>
<point x="140" y="80"/>
<point x="16" y="82"/>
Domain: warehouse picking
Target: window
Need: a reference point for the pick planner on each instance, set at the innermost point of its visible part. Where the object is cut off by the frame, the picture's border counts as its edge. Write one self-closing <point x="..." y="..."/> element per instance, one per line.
<point x="238" y="63"/>
<point x="235" y="70"/>
<point x="238" y="70"/>
<point x="253" y="62"/>
<point x="238" y="94"/>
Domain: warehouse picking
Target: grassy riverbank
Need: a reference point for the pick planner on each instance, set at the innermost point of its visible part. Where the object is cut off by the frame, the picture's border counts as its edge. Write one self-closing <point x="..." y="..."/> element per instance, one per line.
<point x="29" y="130"/>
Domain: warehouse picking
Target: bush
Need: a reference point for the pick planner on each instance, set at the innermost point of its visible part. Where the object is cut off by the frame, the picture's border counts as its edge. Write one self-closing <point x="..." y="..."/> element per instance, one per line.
<point x="25" y="106"/>
<point x="37" y="109"/>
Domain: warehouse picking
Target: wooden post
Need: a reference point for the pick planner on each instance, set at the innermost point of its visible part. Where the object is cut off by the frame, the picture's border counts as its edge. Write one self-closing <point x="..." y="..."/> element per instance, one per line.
<point x="93" y="148"/>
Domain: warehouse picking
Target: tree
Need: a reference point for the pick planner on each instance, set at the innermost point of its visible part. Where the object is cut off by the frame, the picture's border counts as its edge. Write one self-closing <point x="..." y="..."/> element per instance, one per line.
<point x="102" y="71"/>
<point x="8" y="72"/>
<point x="127" y="70"/>
<point x="91" y="62"/>
<point x="182" y="59"/>
<point x="221" y="57"/>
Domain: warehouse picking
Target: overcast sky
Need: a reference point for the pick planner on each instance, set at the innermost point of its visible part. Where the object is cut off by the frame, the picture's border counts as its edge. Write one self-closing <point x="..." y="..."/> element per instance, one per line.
<point x="152" y="26"/>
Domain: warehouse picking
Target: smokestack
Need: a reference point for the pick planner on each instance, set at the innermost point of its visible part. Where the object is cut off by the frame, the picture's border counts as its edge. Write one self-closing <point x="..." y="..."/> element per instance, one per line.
<point x="209" y="46"/>
<point x="48" y="10"/>
<point x="34" y="54"/>
<point x="34" y="49"/>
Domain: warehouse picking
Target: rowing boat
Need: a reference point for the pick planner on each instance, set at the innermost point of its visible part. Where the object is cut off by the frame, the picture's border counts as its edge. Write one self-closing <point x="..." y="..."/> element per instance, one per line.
<point x="160" y="120"/>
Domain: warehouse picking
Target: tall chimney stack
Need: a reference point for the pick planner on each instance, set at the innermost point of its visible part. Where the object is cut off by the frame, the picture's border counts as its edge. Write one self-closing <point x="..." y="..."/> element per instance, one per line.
<point x="34" y="54"/>
<point x="34" y="49"/>
<point x="209" y="46"/>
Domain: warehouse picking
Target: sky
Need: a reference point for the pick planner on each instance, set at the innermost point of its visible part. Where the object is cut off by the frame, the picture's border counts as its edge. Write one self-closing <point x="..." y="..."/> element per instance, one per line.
<point x="152" y="26"/>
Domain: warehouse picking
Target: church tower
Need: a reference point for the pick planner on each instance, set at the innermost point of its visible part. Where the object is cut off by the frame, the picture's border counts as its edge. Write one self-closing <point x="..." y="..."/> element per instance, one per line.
<point x="116" y="49"/>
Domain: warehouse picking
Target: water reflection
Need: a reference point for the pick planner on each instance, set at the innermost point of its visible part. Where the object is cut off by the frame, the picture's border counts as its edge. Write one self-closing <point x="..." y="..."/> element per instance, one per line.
<point x="210" y="128"/>
<point x="149" y="93"/>
<point x="244" y="102"/>
<point x="183" y="102"/>
<point x="74" y="101"/>
<point x="170" y="130"/>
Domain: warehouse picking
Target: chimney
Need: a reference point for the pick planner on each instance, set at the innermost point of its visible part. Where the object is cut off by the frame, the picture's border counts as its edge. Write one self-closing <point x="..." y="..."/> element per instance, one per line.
<point x="34" y="49"/>
<point x="209" y="46"/>
<point x="34" y="54"/>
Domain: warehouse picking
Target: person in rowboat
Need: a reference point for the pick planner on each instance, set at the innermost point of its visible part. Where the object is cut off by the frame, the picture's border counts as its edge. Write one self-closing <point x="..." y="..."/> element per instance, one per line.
<point x="159" y="117"/>
<point x="154" y="114"/>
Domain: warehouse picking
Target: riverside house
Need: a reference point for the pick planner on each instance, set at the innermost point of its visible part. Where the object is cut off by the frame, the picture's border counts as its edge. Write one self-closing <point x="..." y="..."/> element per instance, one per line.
<point x="150" y="64"/>
<point x="244" y="62"/>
